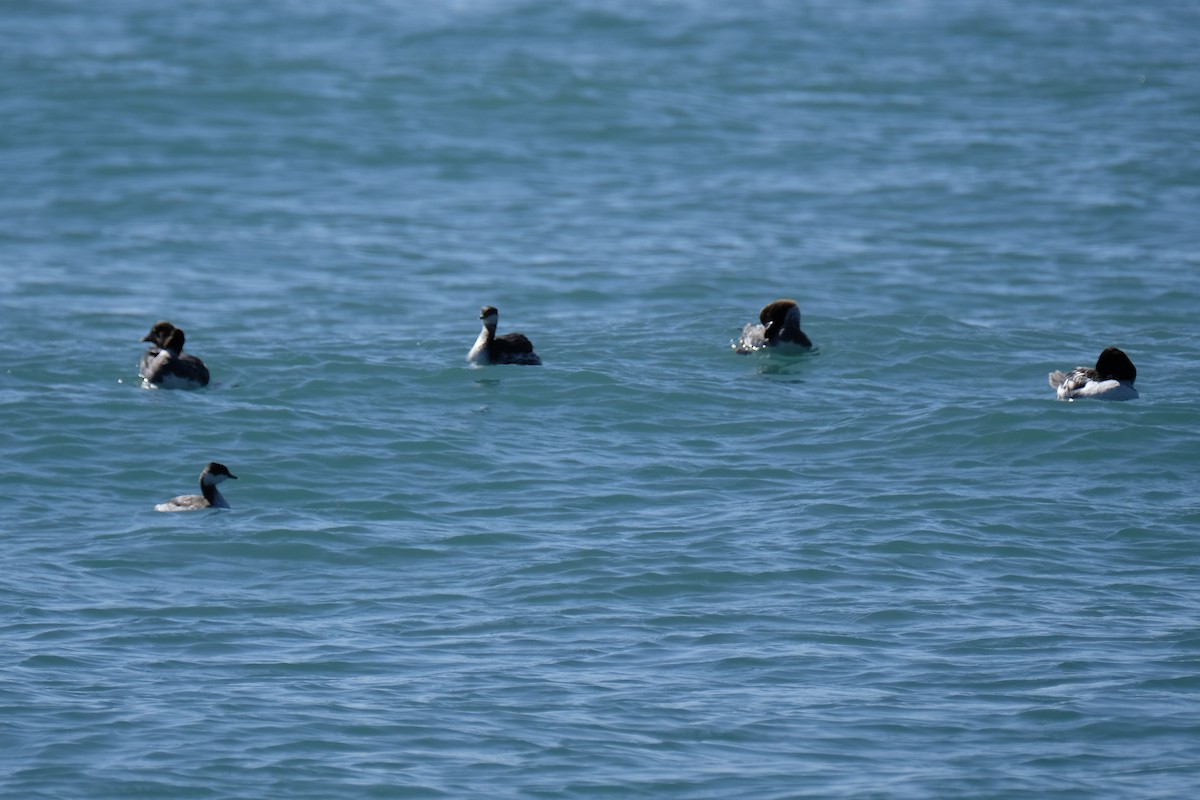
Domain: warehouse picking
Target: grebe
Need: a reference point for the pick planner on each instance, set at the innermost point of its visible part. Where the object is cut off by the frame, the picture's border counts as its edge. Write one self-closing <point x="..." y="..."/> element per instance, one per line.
<point x="1111" y="379"/>
<point x="170" y="368"/>
<point x="778" y="325"/>
<point x="209" y="497"/>
<point x="511" y="348"/>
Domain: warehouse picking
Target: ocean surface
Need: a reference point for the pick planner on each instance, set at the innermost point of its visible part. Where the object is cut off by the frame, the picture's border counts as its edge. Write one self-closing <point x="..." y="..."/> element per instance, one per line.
<point x="895" y="567"/>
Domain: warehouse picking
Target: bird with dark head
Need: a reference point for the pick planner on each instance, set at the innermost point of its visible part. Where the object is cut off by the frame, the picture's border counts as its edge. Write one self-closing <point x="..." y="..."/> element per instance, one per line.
<point x="166" y="366"/>
<point x="1111" y="379"/>
<point x="212" y="474"/>
<point x="511" y="348"/>
<point x="778" y="325"/>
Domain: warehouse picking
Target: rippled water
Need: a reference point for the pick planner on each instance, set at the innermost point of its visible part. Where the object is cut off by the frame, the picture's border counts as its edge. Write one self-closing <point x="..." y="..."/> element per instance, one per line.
<point x="894" y="567"/>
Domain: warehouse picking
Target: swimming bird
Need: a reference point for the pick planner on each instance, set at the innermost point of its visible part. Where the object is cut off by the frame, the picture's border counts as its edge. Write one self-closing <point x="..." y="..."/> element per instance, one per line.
<point x="1111" y="379"/>
<point x="170" y="367"/>
<point x="511" y="348"/>
<point x="778" y="325"/>
<point x="209" y="497"/>
<point x="158" y="335"/>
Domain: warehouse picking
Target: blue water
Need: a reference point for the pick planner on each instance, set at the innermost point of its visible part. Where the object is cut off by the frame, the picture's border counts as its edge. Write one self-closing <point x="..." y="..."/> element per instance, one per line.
<point x="896" y="567"/>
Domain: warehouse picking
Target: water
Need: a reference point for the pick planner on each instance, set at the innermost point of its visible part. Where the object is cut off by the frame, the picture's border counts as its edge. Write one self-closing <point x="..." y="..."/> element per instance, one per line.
<point x="650" y="568"/>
